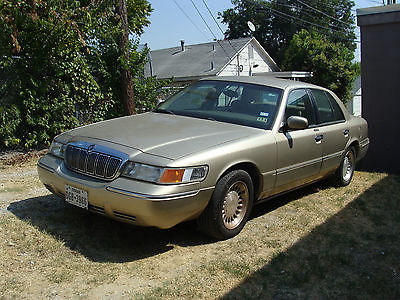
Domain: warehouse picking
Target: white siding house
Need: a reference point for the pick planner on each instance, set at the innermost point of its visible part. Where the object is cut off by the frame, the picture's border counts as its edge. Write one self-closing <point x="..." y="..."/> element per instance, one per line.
<point x="249" y="60"/>
<point x="354" y="105"/>
<point x="239" y="57"/>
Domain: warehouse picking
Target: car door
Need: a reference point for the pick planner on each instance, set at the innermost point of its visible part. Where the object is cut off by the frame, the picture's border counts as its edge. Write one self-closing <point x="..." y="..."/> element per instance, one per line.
<point x="333" y="127"/>
<point x="299" y="152"/>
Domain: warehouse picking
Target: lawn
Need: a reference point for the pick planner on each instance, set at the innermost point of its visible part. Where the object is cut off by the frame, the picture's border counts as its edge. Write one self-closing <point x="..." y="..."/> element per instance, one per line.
<point x="317" y="242"/>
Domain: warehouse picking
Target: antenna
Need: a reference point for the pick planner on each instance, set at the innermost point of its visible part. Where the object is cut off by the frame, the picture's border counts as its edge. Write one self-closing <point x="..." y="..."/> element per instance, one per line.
<point x="251" y="26"/>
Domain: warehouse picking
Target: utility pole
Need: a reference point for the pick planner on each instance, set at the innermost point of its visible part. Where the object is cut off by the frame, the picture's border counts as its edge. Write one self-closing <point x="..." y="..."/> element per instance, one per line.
<point x="128" y="97"/>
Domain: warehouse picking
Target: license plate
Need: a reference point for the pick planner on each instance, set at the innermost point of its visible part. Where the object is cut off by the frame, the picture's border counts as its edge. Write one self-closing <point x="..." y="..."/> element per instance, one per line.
<point x="76" y="196"/>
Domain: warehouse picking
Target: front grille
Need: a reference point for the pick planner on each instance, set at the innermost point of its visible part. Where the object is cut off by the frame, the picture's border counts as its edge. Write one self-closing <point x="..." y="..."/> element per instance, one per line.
<point x="92" y="163"/>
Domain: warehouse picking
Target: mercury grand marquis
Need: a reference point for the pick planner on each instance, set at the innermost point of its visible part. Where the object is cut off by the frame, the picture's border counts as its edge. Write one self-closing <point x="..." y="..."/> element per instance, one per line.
<point x="210" y="152"/>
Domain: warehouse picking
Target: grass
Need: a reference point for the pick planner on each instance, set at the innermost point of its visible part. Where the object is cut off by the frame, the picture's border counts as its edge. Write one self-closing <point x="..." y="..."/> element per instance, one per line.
<point x="317" y="242"/>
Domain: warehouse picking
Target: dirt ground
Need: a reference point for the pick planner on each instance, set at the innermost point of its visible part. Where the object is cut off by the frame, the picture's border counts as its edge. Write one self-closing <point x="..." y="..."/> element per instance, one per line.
<point x="50" y="250"/>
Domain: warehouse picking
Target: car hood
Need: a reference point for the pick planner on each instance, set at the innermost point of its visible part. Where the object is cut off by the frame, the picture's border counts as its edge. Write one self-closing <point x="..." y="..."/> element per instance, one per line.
<point x="169" y="136"/>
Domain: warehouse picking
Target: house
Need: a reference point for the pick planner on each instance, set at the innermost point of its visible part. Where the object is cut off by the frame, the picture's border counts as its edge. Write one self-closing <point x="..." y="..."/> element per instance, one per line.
<point x="380" y="65"/>
<point x="354" y="105"/>
<point x="187" y="63"/>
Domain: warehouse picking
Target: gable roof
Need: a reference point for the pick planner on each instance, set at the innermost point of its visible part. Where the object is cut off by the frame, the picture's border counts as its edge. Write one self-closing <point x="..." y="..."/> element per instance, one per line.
<point x="195" y="61"/>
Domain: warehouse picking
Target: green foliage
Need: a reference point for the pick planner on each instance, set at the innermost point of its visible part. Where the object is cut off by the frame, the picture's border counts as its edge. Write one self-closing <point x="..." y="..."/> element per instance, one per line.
<point x="10" y="116"/>
<point x="146" y="89"/>
<point x="43" y="75"/>
<point x="60" y="66"/>
<point x="282" y="28"/>
<point x="331" y="63"/>
<point x="277" y="21"/>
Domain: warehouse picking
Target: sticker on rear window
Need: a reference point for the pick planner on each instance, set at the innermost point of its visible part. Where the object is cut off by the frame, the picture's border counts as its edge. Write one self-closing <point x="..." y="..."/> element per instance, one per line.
<point x="264" y="114"/>
<point x="262" y="119"/>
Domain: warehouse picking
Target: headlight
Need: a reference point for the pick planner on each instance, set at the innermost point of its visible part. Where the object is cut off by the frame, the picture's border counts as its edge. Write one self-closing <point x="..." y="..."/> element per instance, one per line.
<point x="164" y="175"/>
<point x="57" y="149"/>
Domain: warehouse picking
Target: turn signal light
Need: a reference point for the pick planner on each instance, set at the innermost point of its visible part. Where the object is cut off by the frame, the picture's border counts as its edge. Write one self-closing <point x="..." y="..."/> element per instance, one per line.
<point x="172" y="176"/>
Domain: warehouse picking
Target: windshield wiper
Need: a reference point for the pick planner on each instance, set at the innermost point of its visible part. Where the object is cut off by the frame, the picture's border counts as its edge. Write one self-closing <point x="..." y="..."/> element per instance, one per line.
<point x="163" y="111"/>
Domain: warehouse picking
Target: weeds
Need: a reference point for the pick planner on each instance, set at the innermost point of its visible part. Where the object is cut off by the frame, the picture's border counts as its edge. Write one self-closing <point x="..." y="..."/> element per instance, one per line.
<point x="318" y="242"/>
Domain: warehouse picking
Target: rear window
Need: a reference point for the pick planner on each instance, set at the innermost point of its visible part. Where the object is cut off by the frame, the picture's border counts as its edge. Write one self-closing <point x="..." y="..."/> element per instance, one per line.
<point x="327" y="108"/>
<point x="336" y="108"/>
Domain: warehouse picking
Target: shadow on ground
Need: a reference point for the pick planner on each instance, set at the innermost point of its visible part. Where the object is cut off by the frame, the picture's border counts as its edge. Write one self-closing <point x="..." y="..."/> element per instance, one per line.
<point x="104" y="240"/>
<point x="354" y="254"/>
<point x="98" y="238"/>
<point x="274" y="203"/>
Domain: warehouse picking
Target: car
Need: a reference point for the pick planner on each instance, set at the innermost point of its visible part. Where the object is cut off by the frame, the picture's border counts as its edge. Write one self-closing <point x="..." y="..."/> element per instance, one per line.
<point x="210" y="152"/>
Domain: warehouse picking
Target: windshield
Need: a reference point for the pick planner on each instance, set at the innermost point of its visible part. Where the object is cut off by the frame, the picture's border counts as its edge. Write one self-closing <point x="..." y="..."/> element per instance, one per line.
<point x="224" y="101"/>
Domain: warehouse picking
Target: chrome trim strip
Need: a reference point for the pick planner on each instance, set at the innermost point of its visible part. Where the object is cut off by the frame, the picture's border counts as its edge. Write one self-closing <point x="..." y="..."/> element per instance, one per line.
<point x="86" y="161"/>
<point x="95" y="165"/>
<point x="43" y="166"/>
<point x="333" y="155"/>
<point x="364" y="143"/>
<point x="107" y="165"/>
<point x="155" y="197"/>
<point x="273" y="172"/>
<point x="298" y="166"/>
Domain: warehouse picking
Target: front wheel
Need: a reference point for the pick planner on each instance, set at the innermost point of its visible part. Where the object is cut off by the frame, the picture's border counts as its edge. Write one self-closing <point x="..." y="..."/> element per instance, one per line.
<point x="345" y="172"/>
<point x="229" y="207"/>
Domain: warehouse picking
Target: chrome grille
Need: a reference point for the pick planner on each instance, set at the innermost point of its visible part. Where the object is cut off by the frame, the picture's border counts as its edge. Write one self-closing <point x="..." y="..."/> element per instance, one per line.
<point x="92" y="163"/>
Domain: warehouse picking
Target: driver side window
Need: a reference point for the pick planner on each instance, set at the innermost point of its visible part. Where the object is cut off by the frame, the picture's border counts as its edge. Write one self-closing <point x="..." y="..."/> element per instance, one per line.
<point x="299" y="104"/>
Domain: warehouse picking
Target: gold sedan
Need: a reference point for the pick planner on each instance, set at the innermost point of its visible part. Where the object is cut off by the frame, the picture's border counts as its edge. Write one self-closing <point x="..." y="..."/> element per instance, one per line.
<point x="210" y="152"/>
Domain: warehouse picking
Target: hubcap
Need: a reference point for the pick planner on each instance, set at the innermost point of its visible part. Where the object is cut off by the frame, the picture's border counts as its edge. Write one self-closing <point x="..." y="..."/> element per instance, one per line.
<point x="348" y="166"/>
<point x="235" y="204"/>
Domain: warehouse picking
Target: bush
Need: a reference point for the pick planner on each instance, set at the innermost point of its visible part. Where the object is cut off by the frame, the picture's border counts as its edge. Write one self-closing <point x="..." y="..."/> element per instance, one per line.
<point x="60" y="67"/>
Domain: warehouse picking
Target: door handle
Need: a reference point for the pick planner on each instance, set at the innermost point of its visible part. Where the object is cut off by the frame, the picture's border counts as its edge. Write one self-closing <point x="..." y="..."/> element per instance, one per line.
<point x="319" y="138"/>
<point x="346" y="132"/>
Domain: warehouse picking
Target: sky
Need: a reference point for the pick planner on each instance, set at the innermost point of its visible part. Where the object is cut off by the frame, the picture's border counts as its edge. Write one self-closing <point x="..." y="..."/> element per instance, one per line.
<point x="176" y="20"/>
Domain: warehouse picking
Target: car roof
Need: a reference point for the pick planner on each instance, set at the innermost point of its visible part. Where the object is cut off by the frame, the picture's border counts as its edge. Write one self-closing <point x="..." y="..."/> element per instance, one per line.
<point x="265" y="80"/>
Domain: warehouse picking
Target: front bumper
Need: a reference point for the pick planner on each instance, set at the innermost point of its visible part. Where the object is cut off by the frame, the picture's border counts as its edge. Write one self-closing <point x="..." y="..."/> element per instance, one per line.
<point x="124" y="199"/>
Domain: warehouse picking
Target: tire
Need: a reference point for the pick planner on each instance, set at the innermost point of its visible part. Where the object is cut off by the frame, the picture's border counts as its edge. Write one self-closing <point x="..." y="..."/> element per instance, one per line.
<point x="345" y="172"/>
<point x="229" y="207"/>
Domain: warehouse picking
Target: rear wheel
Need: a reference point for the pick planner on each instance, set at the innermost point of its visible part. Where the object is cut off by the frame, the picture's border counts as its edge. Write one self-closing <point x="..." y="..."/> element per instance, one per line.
<point x="229" y="207"/>
<point x="345" y="172"/>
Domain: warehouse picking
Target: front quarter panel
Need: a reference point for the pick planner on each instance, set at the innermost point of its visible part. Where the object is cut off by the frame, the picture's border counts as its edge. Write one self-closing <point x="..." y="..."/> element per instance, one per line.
<point x="258" y="150"/>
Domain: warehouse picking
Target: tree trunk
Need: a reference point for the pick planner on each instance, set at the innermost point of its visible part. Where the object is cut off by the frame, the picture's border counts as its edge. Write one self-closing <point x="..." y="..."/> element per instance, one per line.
<point x="126" y="77"/>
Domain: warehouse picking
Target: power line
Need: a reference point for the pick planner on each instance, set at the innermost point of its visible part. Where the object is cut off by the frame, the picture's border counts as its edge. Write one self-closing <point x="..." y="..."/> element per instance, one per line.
<point x="191" y="21"/>
<point x="290" y="16"/>
<point x="302" y="20"/>
<point x="325" y="14"/>
<point x="374" y="1"/>
<point x="201" y="16"/>
<point x="205" y="4"/>
<point x="338" y="7"/>
<point x="283" y="15"/>
<point x="304" y="12"/>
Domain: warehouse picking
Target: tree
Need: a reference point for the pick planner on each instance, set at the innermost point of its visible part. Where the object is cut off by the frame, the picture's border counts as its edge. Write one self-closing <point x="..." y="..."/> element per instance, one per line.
<point x="277" y="21"/>
<point x="330" y="62"/>
<point x="126" y="76"/>
<point x="43" y="75"/>
<point x="61" y="63"/>
<point x="316" y="36"/>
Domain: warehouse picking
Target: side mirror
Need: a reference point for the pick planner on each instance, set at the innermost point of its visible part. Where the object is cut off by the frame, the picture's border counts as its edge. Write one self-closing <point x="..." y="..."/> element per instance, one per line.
<point x="295" y="122"/>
